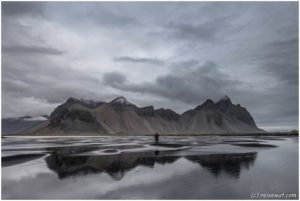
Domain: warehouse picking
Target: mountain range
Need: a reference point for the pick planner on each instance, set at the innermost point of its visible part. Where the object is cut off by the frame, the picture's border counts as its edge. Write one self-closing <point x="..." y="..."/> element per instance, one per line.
<point x="119" y="116"/>
<point x="15" y="125"/>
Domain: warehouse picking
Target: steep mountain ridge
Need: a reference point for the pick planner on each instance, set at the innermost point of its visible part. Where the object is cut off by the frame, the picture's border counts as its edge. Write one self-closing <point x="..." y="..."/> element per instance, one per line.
<point x="120" y="116"/>
<point x="237" y="111"/>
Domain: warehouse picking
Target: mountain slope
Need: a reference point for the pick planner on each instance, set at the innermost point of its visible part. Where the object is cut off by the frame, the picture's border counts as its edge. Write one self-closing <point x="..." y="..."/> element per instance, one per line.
<point x="235" y="111"/>
<point x="15" y="125"/>
<point x="120" y="116"/>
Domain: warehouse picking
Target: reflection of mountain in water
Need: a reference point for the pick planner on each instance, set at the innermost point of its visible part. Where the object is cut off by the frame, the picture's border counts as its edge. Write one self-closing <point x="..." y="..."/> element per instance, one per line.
<point x="117" y="165"/>
<point x="232" y="164"/>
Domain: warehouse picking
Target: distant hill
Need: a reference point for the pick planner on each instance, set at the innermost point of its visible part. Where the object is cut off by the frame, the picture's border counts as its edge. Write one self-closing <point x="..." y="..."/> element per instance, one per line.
<point x="120" y="116"/>
<point x="15" y="125"/>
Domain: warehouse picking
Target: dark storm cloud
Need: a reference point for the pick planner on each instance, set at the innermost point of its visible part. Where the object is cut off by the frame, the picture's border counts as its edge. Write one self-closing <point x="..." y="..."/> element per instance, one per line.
<point x="281" y="59"/>
<point x="22" y="8"/>
<point x="114" y="79"/>
<point x="43" y="85"/>
<point x="191" y="82"/>
<point x="54" y="50"/>
<point x="104" y="17"/>
<point x="20" y="49"/>
<point x="204" y="81"/>
<point x="189" y="31"/>
<point x="205" y="31"/>
<point x="96" y="14"/>
<point x="154" y="61"/>
<point x="38" y="94"/>
<point x="41" y="80"/>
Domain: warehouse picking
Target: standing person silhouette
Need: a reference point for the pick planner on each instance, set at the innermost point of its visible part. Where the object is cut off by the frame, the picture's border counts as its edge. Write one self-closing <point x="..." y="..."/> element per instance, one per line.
<point x="156" y="136"/>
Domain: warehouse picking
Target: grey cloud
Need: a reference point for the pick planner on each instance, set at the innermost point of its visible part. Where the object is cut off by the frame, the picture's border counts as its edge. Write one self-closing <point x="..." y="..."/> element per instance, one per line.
<point x="254" y="47"/>
<point x="86" y="14"/>
<point x="153" y="61"/>
<point x="22" y="8"/>
<point x="206" y="81"/>
<point x="114" y="79"/>
<point x="189" y="31"/>
<point x="281" y="59"/>
<point x="200" y="82"/>
<point x="38" y="98"/>
<point x="44" y="79"/>
<point x="109" y="18"/>
<point x="208" y="30"/>
<point x="21" y="49"/>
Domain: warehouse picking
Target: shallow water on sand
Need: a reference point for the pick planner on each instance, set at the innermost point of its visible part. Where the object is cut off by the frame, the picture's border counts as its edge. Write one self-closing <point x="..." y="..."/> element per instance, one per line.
<point x="206" y="167"/>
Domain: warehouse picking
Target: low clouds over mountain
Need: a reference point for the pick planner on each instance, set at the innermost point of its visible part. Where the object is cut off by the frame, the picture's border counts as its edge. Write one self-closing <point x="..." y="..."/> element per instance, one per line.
<point x="97" y="50"/>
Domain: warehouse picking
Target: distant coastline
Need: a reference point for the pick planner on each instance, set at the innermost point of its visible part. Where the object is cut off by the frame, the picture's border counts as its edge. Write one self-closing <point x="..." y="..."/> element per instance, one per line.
<point x="162" y="134"/>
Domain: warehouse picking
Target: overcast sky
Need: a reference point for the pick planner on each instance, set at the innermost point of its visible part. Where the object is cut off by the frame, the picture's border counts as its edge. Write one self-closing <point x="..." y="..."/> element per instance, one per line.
<point x="171" y="55"/>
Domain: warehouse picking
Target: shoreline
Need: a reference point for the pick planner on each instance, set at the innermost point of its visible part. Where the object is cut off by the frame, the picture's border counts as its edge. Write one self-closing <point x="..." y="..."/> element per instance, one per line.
<point x="179" y="135"/>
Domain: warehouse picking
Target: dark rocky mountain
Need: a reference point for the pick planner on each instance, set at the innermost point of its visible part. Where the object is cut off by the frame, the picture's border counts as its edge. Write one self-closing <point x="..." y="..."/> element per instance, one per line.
<point x="120" y="116"/>
<point x="236" y="111"/>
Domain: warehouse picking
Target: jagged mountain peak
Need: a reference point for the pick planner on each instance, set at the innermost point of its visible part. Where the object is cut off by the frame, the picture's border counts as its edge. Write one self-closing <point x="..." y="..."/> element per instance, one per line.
<point x="72" y="100"/>
<point x="121" y="100"/>
<point x="208" y="104"/>
<point x="224" y="103"/>
<point x="225" y="99"/>
<point x="89" y="102"/>
<point x="85" y="102"/>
